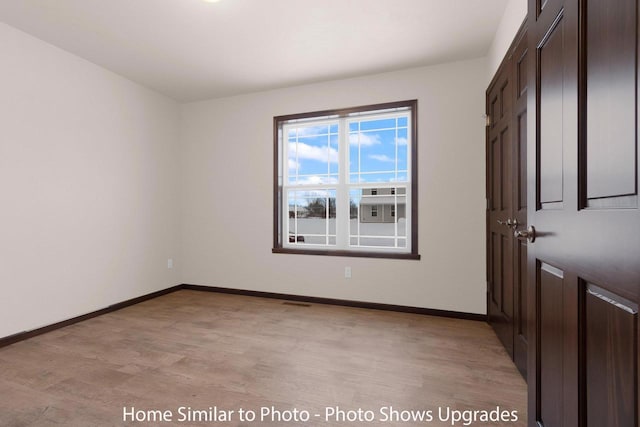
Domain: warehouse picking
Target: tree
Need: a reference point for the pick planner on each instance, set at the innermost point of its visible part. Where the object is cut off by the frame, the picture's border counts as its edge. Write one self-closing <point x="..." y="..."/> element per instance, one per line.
<point x="317" y="208"/>
<point x="353" y="210"/>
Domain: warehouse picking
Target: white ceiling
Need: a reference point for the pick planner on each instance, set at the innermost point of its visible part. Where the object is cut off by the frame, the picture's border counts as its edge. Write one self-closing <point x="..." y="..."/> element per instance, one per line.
<point x="192" y="50"/>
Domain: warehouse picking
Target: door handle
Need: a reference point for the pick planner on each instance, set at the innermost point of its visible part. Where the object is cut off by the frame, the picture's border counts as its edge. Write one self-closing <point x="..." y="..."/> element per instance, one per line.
<point x="513" y="223"/>
<point x="529" y="234"/>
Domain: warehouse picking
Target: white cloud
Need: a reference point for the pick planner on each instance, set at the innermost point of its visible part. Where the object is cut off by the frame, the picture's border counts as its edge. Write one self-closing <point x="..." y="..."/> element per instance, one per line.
<point x="365" y="139"/>
<point x="293" y="164"/>
<point x="317" y="180"/>
<point x="312" y="131"/>
<point x="312" y="152"/>
<point x="382" y="158"/>
<point x="401" y="141"/>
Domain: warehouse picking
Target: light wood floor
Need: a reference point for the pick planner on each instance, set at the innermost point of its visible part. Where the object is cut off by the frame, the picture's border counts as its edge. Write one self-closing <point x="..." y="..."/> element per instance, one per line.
<point x="203" y="349"/>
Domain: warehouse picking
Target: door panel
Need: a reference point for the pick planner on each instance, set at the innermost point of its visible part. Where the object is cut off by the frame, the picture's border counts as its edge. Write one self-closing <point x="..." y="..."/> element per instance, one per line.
<point x="505" y="170"/>
<point x="551" y="337"/>
<point x="551" y="75"/>
<point x="584" y="265"/>
<point x="610" y="324"/>
<point x="557" y="347"/>
<point x="522" y="160"/>
<point x="521" y="67"/>
<point x="497" y="272"/>
<point x="521" y="317"/>
<point x="611" y="98"/>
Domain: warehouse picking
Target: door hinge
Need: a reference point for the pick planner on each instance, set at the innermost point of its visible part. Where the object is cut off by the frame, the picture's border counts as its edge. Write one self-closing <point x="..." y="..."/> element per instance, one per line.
<point x="487" y="120"/>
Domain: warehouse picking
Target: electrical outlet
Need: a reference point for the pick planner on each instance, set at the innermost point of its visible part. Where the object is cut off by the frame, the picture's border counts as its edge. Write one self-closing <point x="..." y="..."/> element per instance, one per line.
<point x="170" y="263"/>
<point x="347" y="272"/>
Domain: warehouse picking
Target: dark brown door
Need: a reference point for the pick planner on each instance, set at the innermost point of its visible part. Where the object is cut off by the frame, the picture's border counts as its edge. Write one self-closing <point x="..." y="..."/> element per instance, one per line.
<point x="584" y="265"/>
<point x="507" y="201"/>
<point x="500" y="206"/>
<point x="519" y="179"/>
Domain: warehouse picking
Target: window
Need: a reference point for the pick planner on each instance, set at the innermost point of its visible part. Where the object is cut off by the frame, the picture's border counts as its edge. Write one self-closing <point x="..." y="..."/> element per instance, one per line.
<point x="345" y="182"/>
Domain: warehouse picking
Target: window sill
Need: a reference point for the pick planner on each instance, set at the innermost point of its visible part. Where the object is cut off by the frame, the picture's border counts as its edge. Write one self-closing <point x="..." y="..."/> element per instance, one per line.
<point x="360" y="254"/>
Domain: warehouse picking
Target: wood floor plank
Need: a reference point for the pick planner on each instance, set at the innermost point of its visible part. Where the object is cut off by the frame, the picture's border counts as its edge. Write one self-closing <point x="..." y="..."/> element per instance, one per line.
<point x="202" y="349"/>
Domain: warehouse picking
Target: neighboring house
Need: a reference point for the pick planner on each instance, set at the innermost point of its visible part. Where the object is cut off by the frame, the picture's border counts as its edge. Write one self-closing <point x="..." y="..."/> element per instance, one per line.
<point x="382" y="204"/>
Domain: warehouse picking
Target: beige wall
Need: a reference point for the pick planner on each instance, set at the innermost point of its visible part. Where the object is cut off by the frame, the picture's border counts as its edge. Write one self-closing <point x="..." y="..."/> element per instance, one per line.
<point x="103" y="180"/>
<point x="512" y="19"/>
<point x="227" y="185"/>
<point x="88" y="186"/>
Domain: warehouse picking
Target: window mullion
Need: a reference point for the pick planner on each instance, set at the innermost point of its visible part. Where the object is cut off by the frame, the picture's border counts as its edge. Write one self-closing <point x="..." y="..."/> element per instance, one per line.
<point x="342" y="190"/>
<point x="285" y="215"/>
<point x="284" y="159"/>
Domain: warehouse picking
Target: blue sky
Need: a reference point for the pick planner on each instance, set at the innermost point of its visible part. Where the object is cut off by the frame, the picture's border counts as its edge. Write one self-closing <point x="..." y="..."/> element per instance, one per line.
<point x="376" y="146"/>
